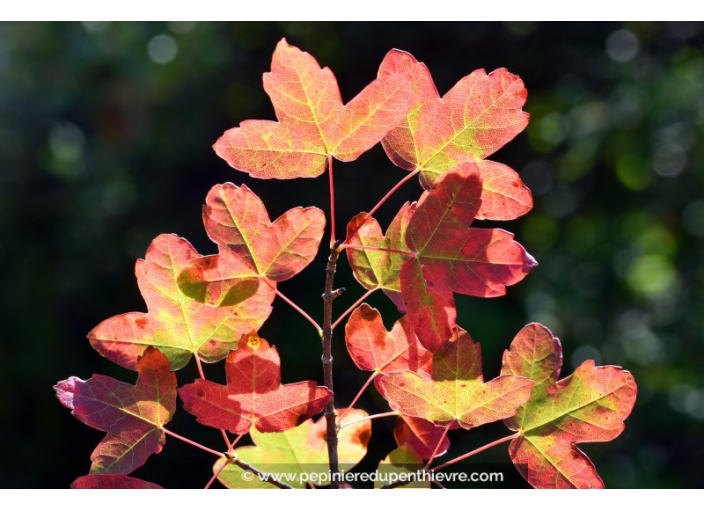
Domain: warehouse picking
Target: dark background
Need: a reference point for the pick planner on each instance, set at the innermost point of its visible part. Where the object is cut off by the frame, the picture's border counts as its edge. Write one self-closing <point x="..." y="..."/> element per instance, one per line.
<point x="105" y="142"/>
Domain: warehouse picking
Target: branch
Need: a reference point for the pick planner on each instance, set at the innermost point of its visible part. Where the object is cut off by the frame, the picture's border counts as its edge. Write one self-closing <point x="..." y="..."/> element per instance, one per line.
<point x="330" y="414"/>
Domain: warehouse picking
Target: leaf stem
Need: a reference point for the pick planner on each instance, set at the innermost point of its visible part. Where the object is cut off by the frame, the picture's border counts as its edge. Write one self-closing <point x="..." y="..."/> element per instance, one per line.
<point x="217" y="473"/>
<point x="376" y="248"/>
<point x="359" y="394"/>
<point x="372" y="417"/>
<point x="237" y="440"/>
<point x="330" y="414"/>
<point x="227" y="440"/>
<point x="295" y="307"/>
<point x="478" y="450"/>
<point x="437" y="446"/>
<point x="193" y="443"/>
<point x="200" y="367"/>
<point x="332" y="204"/>
<point x="381" y="202"/>
<point x="199" y="364"/>
<point x="351" y="308"/>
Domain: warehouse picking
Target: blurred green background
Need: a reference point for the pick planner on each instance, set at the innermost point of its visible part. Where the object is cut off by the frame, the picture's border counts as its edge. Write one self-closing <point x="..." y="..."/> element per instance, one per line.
<point x="105" y="142"/>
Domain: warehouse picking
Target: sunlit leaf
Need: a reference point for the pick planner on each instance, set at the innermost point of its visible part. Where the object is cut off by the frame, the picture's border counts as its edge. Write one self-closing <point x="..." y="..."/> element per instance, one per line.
<point x="456" y="391"/>
<point x="300" y="450"/>
<point x="376" y="269"/>
<point x="401" y="463"/>
<point x="473" y="120"/>
<point x="253" y="395"/>
<point x="132" y="416"/>
<point x="421" y="436"/>
<point x="313" y="122"/>
<point x="588" y="406"/>
<point x="177" y="324"/>
<point x="375" y="349"/>
<point x="250" y="243"/>
<point x="452" y="257"/>
<point x="112" y="482"/>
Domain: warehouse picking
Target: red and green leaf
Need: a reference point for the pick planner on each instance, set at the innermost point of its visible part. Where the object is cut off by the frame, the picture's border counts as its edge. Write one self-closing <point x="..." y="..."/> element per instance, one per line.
<point x="479" y="115"/>
<point x="112" y="482"/>
<point x="374" y="349"/>
<point x="401" y="463"/>
<point x="300" y="450"/>
<point x="588" y="406"/>
<point x="253" y="395"/>
<point x="313" y="122"/>
<point x="376" y="269"/>
<point x="452" y="257"/>
<point x="178" y="322"/>
<point x="421" y="436"/>
<point x="132" y="416"/>
<point x="456" y="391"/>
<point x="250" y="243"/>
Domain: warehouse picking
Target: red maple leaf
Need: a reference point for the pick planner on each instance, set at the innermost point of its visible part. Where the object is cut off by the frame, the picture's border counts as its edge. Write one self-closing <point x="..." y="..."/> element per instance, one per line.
<point x="313" y="123"/>
<point x="588" y="406"/>
<point x="473" y="120"/>
<point x="132" y="416"/>
<point x="253" y="395"/>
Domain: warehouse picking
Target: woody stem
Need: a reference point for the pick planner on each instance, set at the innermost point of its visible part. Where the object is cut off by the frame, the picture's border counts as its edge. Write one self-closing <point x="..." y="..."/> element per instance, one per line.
<point x="330" y="415"/>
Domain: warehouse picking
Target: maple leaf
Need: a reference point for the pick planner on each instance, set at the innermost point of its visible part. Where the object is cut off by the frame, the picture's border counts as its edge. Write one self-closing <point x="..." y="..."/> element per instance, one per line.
<point x="300" y="450"/>
<point x="401" y="462"/>
<point x="132" y="416"/>
<point x="250" y="244"/>
<point x="112" y="482"/>
<point x="313" y="123"/>
<point x="178" y="324"/>
<point x="473" y="120"/>
<point x="376" y="269"/>
<point x="421" y="436"/>
<point x="375" y="349"/>
<point x="456" y="391"/>
<point x="588" y="406"/>
<point x="452" y="257"/>
<point x="253" y="395"/>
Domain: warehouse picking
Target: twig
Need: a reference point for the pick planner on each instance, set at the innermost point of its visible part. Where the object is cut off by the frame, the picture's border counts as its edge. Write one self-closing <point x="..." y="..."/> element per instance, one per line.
<point x="330" y="414"/>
